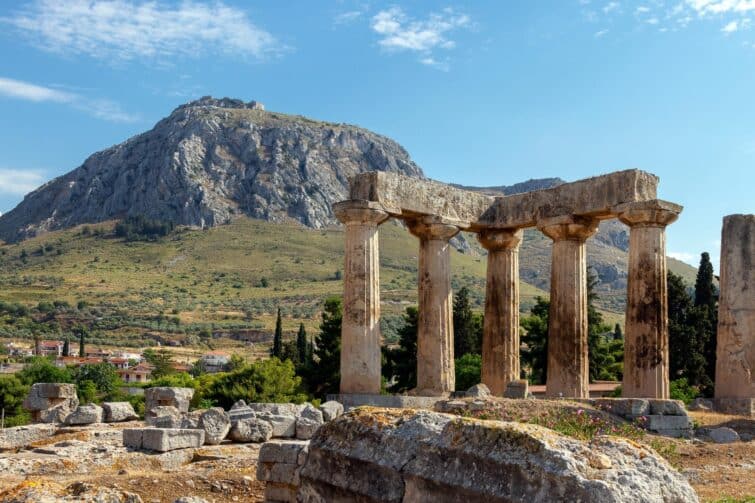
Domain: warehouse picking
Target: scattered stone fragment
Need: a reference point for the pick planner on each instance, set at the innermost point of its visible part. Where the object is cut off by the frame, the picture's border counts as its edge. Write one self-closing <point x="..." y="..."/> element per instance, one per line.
<point x="331" y="410"/>
<point x="283" y="426"/>
<point x="306" y="428"/>
<point x="625" y="407"/>
<point x="251" y="430"/>
<point x="667" y="407"/>
<point x="85" y="414"/>
<point x="518" y="388"/>
<point x="240" y="404"/>
<point x="190" y="420"/>
<point x="216" y="424"/>
<point x="723" y="435"/>
<point x="116" y="412"/>
<point x="313" y="414"/>
<point x="163" y="416"/>
<point x="162" y="396"/>
<point x="51" y="402"/>
<point x="701" y="404"/>
<point x="478" y="391"/>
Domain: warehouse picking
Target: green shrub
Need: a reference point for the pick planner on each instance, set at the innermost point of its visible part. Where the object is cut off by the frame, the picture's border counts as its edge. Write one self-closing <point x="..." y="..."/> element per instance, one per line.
<point x="680" y="389"/>
<point x="468" y="371"/>
<point x="265" y="381"/>
<point x="12" y="394"/>
<point x="41" y="369"/>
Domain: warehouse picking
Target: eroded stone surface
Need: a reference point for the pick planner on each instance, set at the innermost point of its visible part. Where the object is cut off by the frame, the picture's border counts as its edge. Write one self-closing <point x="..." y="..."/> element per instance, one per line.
<point x="216" y="424"/>
<point x="331" y="410"/>
<point x="251" y="430"/>
<point x="164" y="396"/>
<point x="85" y="414"/>
<point x="51" y="402"/>
<point x="116" y="412"/>
<point x="385" y="455"/>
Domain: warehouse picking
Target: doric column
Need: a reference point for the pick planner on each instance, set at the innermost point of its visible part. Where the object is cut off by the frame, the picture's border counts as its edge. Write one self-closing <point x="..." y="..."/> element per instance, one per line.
<point x="646" y="367"/>
<point x="567" y="318"/>
<point x="360" y="328"/>
<point x="500" y="336"/>
<point x="435" y="335"/>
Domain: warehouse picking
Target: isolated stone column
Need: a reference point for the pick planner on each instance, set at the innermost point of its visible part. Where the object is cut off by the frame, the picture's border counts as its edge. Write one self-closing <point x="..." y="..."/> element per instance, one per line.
<point x="567" y="326"/>
<point x="360" y="328"/>
<point x="500" y="335"/>
<point x="646" y="366"/>
<point x="735" y="350"/>
<point x="435" y="335"/>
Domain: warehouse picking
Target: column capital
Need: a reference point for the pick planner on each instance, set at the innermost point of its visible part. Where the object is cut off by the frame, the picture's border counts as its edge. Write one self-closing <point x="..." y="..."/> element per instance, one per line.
<point x="568" y="227"/>
<point x="500" y="239"/>
<point x="432" y="228"/>
<point x="654" y="213"/>
<point x="356" y="211"/>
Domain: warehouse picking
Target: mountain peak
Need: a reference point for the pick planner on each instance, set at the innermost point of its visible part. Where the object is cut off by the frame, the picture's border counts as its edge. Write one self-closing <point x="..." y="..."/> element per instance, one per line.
<point x="209" y="101"/>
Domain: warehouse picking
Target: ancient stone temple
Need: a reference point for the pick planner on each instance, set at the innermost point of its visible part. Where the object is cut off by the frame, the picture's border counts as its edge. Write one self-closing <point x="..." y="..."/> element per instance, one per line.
<point x="735" y="348"/>
<point x="568" y="214"/>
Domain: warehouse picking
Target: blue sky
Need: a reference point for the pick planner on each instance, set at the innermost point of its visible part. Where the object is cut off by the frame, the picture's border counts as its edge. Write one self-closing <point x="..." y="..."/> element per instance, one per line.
<point x="480" y="93"/>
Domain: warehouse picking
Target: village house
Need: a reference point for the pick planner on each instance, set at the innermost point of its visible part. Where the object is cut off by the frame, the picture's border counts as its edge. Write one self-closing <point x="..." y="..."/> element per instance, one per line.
<point x="50" y="348"/>
<point x="215" y="361"/>
<point x="138" y="374"/>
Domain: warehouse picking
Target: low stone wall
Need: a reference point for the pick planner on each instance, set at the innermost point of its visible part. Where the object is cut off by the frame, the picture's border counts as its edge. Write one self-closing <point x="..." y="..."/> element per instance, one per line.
<point x="664" y="417"/>
<point x="352" y="400"/>
<point x="279" y="466"/>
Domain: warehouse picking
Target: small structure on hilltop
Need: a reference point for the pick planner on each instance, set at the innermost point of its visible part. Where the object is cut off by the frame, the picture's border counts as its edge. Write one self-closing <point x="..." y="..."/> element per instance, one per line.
<point x="735" y="348"/>
<point x="568" y="214"/>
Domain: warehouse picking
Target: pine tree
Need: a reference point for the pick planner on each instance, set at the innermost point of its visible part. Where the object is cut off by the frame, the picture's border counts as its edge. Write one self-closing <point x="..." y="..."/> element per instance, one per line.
<point x="706" y="300"/>
<point x="400" y="364"/>
<point x="465" y="337"/>
<point x="534" y="354"/>
<point x="301" y="345"/>
<point x="325" y="374"/>
<point x="605" y="357"/>
<point x="277" y="350"/>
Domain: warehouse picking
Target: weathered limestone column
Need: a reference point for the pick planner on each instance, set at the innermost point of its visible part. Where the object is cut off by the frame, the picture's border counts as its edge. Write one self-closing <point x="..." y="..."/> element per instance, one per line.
<point x="646" y="366"/>
<point x="360" y="328"/>
<point x="567" y="326"/>
<point x="500" y="336"/>
<point x="435" y="337"/>
<point x="735" y="349"/>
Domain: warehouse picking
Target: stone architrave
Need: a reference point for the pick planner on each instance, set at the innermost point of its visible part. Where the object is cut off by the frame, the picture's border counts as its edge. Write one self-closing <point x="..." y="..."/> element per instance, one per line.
<point x="735" y="350"/>
<point x="500" y="339"/>
<point x="567" y="327"/>
<point x="435" y="334"/>
<point x="360" y="329"/>
<point x="646" y="365"/>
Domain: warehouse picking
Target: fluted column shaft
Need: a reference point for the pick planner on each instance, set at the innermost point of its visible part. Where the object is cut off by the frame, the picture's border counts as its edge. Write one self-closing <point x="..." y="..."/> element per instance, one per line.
<point x="435" y="335"/>
<point x="568" y="362"/>
<point x="500" y="335"/>
<point x="646" y="358"/>
<point x="360" y="328"/>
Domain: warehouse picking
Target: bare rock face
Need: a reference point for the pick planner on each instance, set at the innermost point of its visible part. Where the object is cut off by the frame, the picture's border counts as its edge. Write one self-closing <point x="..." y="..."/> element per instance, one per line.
<point x="373" y="454"/>
<point x="209" y="161"/>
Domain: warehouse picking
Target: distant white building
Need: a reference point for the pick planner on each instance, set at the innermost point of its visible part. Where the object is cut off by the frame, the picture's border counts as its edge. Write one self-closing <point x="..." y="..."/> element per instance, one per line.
<point x="215" y="361"/>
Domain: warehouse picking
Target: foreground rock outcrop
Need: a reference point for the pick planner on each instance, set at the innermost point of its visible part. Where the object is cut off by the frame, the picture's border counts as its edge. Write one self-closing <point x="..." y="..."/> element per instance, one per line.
<point x="375" y="454"/>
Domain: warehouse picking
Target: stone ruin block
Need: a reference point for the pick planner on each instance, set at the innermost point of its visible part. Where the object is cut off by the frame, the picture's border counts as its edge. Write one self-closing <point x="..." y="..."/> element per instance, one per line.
<point x="162" y="439"/>
<point x="85" y="414"/>
<point x="116" y="412"/>
<point x="51" y="402"/>
<point x="279" y="466"/>
<point x="518" y="388"/>
<point x="164" y="396"/>
<point x="665" y="417"/>
<point x="20" y="436"/>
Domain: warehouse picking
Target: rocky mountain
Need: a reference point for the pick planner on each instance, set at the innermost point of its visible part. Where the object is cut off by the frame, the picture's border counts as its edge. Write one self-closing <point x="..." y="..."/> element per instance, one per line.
<point x="209" y="161"/>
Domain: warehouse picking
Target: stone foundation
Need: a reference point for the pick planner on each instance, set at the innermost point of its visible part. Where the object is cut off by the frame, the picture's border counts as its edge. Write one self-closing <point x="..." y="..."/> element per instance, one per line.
<point x="279" y="466"/>
<point x="349" y="401"/>
<point x="664" y="417"/>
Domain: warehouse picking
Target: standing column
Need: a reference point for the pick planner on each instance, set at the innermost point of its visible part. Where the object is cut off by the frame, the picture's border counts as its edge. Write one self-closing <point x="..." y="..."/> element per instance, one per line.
<point x="500" y="335"/>
<point x="646" y="367"/>
<point x="360" y="328"/>
<point x="735" y="347"/>
<point x="435" y="335"/>
<point x="567" y="319"/>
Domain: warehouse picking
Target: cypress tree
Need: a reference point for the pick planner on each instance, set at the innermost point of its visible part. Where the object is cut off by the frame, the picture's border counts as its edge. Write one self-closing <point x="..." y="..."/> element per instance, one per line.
<point x="277" y="350"/>
<point x="400" y="363"/>
<point x="301" y="345"/>
<point x="465" y="337"/>
<point x="66" y="347"/>
<point x="534" y="356"/>
<point x="706" y="299"/>
<point x="325" y="374"/>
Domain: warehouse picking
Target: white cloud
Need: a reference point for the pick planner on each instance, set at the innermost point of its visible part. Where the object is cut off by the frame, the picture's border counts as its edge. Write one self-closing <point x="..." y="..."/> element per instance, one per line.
<point x="642" y="9"/>
<point x="611" y="7"/>
<point x="730" y="27"/>
<point x="600" y="33"/>
<point x="348" y="17"/>
<point x="19" y="182"/>
<point x="713" y="7"/>
<point x="121" y="30"/>
<point x="97" y="107"/>
<point x="399" y="32"/>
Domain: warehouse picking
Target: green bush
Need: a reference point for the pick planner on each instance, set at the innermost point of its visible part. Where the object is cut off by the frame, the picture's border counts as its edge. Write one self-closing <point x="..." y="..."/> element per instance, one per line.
<point x="12" y="394"/>
<point x="680" y="389"/>
<point x="265" y="381"/>
<point x="41" y="369"/>
<point x="468" y="371"/>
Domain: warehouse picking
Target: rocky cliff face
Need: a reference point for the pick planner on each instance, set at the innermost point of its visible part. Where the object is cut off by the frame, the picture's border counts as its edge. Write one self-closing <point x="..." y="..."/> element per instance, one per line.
<point x="209" y="161"/>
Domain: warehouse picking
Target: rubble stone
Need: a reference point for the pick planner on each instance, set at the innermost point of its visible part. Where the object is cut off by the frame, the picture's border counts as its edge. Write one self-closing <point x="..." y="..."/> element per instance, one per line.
<point x="116" y="412"/>
<point x="165" y="396"/>
<point x="724" y="435"/>
<point x="85" y="414"/>
<point x="169" y="439"/>
<point x="312" y="413"/>
<point x="51" y="402"/>
<point x="518" y="388"/>
<point x="478" y="391"/>
<point x="251" y="430"/>
<point x="306" y="428"/>
<point x="163" y="416"/>
<point x="331" y="410"/>
<point x="216" y="424"/>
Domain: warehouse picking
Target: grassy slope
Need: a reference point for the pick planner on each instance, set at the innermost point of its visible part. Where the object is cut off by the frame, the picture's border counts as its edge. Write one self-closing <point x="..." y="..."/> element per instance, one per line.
<point x="215" y="275"/>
